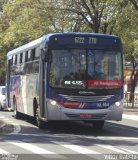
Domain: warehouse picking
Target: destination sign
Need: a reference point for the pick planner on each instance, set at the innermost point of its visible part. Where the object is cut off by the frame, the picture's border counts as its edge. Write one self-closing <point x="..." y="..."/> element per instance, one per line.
<point x="104" y="83"/>
<point x="82" y="40"/>
<point x="77" y="40"/>
<point x="87" y="41"/>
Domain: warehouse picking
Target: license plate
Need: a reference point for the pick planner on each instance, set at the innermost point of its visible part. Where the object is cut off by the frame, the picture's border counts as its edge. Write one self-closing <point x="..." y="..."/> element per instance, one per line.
<point x="86" y="115"/>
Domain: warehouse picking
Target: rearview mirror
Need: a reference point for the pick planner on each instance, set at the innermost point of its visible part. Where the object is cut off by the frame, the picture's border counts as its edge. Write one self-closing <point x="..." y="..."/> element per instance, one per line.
<point x="44" y="55"/>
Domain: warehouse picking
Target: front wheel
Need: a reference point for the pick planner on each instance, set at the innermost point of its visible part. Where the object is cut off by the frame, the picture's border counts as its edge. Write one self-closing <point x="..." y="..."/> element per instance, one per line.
<point x="40" y="124"/>
<point x="98" y="125"/>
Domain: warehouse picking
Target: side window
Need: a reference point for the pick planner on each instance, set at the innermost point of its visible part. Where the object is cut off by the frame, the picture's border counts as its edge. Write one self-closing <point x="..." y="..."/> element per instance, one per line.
<point x="26" y="56"/>
<point x="33" y="54"/>
<point x="12" y="61"/>
<point x="21" y="57"/>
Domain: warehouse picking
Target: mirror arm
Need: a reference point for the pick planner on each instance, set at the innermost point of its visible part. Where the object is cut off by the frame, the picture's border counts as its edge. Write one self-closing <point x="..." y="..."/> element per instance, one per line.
<point x="44" y="54"/>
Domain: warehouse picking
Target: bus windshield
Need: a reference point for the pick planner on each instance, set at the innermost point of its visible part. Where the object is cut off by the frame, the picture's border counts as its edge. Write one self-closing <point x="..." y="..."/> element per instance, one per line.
<point x="85" y="69"/>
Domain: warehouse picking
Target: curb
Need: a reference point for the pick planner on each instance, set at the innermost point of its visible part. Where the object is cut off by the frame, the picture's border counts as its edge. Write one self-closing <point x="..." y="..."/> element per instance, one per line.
<point x="130" y="109"/>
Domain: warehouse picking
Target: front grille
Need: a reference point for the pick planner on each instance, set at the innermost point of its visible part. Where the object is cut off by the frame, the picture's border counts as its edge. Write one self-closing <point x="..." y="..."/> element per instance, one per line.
<point x="93" y="116"/>
<point x="86" y="99"/>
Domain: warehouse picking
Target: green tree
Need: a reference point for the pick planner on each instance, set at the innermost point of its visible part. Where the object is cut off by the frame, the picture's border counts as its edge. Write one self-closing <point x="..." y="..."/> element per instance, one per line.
<point x="135" y="3"/>
<point x="24" y="20"/>
<point x="98" y="16"/>
<point x="127" y="28"/>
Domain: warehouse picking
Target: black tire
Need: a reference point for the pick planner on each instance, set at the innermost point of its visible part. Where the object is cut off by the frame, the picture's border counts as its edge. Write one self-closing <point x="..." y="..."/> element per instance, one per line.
<point x="16" y="113"/>
<point x="98" y="125"/>
<point x="40" y="124"/>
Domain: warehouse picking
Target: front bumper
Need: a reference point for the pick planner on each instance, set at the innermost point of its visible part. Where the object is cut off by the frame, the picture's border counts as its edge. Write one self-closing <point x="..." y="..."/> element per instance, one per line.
<point x="114" y="112"/>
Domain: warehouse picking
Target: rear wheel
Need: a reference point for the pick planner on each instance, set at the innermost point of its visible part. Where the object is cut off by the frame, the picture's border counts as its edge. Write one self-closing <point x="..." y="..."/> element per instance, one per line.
<point x="98" y="125"/>
<point x="16" y="113"/>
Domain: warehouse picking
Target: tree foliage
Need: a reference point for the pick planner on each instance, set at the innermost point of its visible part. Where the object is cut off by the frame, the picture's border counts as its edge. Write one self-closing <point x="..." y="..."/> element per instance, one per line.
<point x="135" y="3"/>
<point x="24" y="20"/>
<point x="98" y="15"/>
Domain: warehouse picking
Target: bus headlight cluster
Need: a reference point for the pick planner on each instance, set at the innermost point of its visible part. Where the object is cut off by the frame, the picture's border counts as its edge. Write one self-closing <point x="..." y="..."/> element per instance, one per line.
<point x="118" y="103"/>
<point x="53" y="102"/>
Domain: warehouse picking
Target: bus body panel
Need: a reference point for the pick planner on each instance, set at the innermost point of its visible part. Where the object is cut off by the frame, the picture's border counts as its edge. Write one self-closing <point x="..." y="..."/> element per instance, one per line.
<point x="24" y="91"/>
<point x="29" y="86"/>
<point x="29" y="92"/>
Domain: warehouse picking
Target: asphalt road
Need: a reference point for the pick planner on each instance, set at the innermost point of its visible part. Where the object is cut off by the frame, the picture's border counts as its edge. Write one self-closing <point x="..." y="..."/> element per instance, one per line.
<point x="22" y="140"/>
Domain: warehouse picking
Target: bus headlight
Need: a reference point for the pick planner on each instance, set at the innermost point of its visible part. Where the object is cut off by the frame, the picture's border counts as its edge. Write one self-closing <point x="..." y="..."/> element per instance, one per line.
<point x="53" y="102"/>
<point x="118" y="103"/>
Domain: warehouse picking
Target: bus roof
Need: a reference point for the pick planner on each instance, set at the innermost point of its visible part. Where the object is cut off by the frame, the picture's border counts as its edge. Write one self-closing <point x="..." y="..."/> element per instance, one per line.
<point x="26" y="46"/>
<point x="46" y="38"/>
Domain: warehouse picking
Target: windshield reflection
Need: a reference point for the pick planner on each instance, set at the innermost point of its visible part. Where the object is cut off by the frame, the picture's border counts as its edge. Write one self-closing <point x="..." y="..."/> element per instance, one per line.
<point x="77" y="68"/>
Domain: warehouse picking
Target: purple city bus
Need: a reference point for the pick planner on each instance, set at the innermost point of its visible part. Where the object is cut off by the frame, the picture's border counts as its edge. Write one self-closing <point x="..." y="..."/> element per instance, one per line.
<point x="67" y="76"/>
